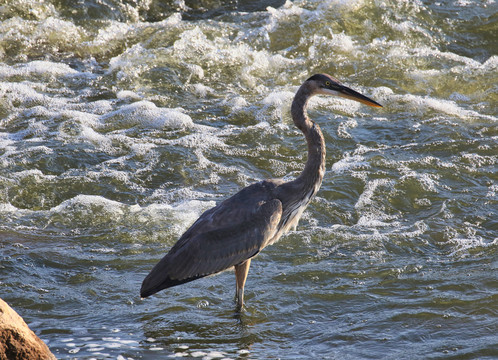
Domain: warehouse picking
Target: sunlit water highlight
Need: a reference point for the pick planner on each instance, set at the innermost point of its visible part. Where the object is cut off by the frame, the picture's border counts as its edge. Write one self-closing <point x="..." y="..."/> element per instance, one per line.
<point x="120" y="123"/>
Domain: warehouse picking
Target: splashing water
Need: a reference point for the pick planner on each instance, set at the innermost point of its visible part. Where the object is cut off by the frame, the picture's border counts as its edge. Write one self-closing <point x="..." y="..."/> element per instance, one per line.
<point x="121" y="122"/>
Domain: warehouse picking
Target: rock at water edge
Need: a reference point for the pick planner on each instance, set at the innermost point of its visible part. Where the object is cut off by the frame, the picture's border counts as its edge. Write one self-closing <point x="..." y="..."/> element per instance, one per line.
<point x="17" y="341"/>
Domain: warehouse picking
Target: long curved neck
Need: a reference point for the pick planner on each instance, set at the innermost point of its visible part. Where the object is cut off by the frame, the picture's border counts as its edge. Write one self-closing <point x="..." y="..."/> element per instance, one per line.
<point x="312" y="175"/>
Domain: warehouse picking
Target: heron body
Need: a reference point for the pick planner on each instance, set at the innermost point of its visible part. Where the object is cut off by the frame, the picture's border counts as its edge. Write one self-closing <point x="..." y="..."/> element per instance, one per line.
<point x="233" y="232"/>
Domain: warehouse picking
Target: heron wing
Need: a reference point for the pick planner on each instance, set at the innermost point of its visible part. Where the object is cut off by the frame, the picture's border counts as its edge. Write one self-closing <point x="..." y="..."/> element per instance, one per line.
<point x="224" y="236"/>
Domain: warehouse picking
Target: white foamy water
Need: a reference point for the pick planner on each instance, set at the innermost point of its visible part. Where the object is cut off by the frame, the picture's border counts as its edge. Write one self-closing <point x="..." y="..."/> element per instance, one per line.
<point x="121" y="123"/>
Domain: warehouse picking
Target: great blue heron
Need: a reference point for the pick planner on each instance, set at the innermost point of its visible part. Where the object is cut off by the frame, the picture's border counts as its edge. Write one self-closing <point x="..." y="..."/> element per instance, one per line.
<point x="236" y="230"/>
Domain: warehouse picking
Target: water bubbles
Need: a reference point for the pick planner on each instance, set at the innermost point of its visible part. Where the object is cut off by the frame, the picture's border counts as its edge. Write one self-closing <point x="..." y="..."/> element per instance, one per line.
<point x="118" y="131"/>
<point x="202" y="304"/>
<point x="121" y="357"/>
<point x="158" y="348"/>
<point x="423" y="202"/>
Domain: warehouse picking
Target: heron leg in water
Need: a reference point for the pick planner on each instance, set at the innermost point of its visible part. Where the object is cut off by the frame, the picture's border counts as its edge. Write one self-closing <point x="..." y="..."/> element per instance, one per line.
<point x="241" y="272"/>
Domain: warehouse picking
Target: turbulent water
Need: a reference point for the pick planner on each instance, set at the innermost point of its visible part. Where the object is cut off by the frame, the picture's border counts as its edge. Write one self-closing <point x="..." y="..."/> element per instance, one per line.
<point x="121" y="122"/>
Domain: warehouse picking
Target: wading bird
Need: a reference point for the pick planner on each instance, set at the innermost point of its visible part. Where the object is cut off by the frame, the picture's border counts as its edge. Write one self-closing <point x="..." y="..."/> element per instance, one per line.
<point x="233" y="232"/>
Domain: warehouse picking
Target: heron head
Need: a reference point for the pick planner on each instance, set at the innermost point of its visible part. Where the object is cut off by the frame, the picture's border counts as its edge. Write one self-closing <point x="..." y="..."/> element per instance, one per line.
<point x="328" y="85"/>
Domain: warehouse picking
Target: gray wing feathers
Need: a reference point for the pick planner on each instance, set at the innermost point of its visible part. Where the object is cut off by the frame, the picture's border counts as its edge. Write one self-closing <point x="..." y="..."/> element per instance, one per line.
<point x="216" y="250"/>
<point x="224" y="236"/>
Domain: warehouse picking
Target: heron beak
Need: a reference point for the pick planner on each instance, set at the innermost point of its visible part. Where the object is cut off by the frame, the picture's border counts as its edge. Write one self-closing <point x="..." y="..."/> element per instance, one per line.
<point x="348" y="93"/>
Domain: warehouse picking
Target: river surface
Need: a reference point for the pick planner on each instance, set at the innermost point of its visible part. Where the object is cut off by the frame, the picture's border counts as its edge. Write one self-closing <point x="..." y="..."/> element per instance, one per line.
<point x="121" y="122"/>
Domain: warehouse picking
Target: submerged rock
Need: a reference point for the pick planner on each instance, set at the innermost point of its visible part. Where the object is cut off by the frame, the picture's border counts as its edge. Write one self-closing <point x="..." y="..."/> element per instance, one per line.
<point x="17" y="341"/>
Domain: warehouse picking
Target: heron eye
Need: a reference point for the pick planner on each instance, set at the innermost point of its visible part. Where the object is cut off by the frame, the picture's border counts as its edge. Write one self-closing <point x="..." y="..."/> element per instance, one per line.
<point x="327" y="83"/>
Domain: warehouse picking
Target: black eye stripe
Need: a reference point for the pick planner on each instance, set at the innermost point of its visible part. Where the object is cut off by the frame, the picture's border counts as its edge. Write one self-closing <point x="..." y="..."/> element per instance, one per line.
<point x="333" y="86"/>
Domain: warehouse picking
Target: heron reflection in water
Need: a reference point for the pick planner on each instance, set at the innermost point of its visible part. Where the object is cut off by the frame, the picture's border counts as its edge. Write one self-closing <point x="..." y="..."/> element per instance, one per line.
<point x="236" y="230"/>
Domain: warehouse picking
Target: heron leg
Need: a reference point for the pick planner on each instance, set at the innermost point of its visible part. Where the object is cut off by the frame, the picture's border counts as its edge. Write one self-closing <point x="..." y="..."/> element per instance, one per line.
<point x="241" y="272"/>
